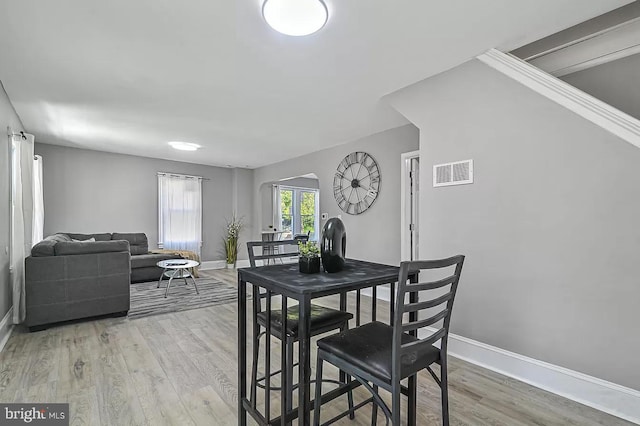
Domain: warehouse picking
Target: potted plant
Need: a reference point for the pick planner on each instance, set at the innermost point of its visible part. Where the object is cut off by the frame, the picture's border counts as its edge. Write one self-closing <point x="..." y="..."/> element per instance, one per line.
<point x="309" y="257"/>
<point x="234" y="226"/>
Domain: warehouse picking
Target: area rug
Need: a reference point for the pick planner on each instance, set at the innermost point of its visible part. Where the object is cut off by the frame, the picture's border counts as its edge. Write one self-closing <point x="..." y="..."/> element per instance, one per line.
<point x="148" y="300"/>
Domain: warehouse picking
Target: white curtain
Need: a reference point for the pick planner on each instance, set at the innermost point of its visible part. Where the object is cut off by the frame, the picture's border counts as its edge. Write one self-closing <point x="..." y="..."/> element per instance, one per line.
<point x="277" y="211"/>
<point x="38" y="201"/>
<point x="180" y="212"/>
<point x="21" y="218"/>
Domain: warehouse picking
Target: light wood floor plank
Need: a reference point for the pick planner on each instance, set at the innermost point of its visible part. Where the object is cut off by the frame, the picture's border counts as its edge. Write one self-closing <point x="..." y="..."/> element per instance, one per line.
<point x="181" y="369"/>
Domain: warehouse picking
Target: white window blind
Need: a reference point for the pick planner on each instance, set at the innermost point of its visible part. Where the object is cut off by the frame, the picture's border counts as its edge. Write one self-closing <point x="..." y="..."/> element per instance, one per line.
<point x="180" y="212"/>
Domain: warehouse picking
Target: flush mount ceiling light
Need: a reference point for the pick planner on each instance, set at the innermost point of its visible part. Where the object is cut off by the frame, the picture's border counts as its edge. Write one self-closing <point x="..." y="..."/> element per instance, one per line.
<point x="184" y="146"/>
<point x="295" y="17"/>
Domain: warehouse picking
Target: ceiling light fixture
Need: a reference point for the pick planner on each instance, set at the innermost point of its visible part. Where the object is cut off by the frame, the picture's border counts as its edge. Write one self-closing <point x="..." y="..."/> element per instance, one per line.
<point x="184" y="146"/>
<point x="295" y="17"/>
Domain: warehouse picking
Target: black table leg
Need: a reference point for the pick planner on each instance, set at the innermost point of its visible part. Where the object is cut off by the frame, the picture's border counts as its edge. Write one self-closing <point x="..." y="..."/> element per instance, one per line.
<point x="343" y="308"/>
<point x="374" y="302"/>
<point x="342" y="375"/>
<point x="392" y="308"/>
<point x="412" y="405"/>
<point x="242" y="351"/>
<point x="358" y="308"/>
<point x="286" y="369"/>
<point x="267" y="359"/>
<point x="304" y="359"/>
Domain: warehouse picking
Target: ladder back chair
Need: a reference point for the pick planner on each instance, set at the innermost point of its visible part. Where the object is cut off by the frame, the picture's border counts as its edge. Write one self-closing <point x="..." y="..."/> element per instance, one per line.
<point x="323" y="320"/>
<point x="380" y="355"/>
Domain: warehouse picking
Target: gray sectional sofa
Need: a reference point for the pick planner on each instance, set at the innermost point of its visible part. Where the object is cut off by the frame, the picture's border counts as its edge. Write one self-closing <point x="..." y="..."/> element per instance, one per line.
<point x="71" y="276"/>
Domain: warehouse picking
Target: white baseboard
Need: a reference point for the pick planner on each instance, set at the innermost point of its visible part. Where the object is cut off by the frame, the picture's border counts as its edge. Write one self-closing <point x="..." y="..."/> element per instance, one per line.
<point x="605" y="396"/>
<point x="600" y="394"/>
<point x="222" y="264"/>
<point x="6" y="328"/>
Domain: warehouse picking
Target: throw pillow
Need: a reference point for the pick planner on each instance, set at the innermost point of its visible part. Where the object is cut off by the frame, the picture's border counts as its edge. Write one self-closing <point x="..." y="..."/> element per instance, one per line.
<point x="90" y="240"/>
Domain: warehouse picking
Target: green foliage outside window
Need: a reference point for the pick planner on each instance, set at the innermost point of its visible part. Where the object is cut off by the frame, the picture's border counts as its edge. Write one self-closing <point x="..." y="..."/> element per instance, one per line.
<point x="307" y="212"/>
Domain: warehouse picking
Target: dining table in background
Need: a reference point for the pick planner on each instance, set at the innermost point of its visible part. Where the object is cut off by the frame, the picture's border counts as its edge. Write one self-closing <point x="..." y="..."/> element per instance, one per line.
<point x="285" y="280"/>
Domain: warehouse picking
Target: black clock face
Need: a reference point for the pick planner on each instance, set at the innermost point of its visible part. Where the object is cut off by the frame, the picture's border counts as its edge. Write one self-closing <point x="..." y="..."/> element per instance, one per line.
<point x="356" y="183"/>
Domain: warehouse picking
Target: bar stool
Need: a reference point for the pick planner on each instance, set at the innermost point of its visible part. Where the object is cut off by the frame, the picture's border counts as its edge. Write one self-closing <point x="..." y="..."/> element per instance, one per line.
<point x="380" y="355"/>
<point x="323" y="320"/>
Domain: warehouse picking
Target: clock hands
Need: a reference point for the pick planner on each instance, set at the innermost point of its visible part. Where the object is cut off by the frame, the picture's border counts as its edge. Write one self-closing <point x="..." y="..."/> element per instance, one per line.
<point x="358" y="174"/>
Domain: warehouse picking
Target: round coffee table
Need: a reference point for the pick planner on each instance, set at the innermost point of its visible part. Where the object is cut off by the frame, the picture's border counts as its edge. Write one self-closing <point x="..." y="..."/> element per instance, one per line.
<point x="177" y="268"/>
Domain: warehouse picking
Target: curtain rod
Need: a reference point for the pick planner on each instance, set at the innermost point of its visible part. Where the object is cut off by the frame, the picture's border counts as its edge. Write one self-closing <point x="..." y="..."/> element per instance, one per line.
<point x="181" y="176"/>
<point x="13" y="134"/>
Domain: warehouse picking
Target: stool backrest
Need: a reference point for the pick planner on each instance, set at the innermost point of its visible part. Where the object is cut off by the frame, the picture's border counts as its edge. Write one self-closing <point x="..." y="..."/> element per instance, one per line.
<point x="271" y="250"/>
<point x="440" y="295"/>
<point x="274" y="250"/>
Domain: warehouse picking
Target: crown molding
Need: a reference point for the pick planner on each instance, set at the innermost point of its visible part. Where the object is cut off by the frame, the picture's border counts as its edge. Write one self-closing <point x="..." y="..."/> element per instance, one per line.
<point x="600" y="113"/>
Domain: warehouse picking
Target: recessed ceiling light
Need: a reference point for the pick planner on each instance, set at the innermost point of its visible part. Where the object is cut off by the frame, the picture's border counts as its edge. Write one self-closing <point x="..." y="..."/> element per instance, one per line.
<point x="295" y="17"/>
<point x="184" y="146"/>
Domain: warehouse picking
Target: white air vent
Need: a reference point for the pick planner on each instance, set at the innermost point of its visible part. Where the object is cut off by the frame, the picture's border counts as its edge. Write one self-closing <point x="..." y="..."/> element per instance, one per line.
<point x="458" y="173"/>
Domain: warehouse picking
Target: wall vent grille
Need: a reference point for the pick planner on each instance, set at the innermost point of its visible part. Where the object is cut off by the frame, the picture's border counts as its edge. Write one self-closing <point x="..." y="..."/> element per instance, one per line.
<point x="457" y="173"/>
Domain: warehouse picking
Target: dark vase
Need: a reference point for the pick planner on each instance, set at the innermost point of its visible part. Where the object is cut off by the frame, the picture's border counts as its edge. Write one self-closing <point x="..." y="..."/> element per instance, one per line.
<point x="309" y="265"/>
<point x="334" y="245"/>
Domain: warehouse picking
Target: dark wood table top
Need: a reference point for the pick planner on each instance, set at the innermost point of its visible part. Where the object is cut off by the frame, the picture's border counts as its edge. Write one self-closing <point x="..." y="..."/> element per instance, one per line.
<point x="286" y="279"/>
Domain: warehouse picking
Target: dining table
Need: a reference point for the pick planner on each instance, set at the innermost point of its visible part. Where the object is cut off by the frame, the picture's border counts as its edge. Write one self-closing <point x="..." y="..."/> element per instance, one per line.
<point x="286" y="281"/>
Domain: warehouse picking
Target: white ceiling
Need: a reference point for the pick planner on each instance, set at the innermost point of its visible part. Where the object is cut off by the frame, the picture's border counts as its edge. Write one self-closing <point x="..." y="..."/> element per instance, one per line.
<point x="128" y="76"/>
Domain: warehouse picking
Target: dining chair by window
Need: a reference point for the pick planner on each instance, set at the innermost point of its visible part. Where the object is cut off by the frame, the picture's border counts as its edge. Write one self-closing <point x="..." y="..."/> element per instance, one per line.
<point x="380" y="355"/>
<point x="323" y="320"/>
<point x="302" y="237"/>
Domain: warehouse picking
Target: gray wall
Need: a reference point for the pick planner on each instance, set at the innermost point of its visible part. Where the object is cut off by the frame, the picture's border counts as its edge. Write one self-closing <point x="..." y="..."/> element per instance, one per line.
<point x="373" y="235"/>
<point x="8" y="117"/>
<point x="549" y="228"/>
<point x="91" y="191"/>
<point x="615" y="83"/>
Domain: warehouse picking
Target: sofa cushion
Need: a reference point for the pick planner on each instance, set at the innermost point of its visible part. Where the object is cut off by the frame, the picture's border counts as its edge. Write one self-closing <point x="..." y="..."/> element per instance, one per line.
<point x="146" y="260"/>
<point x="70" y="248"/>
<point x="138" y="243"/>
<point x="98" y="237"/>
<point x="90" y="240"/>
<point x="46" y="247"/>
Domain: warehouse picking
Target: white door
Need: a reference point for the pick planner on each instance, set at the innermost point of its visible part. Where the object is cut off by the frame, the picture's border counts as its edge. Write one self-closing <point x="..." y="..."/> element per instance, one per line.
<point x="410" y="201"/>
<point x="414" y="192"/>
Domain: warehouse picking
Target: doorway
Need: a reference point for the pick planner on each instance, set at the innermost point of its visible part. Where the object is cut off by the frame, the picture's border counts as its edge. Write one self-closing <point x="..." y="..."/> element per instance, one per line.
<point x="410" y="205"/>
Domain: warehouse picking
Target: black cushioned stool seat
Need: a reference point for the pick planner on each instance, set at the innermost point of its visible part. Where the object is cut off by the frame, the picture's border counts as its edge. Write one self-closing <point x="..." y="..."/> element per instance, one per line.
<point x="368" y="347"/>
<point x="321" y="318"/>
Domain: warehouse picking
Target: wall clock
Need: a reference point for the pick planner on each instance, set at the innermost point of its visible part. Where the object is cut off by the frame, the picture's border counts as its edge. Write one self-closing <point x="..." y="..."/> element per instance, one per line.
<point x="356" y="183"/>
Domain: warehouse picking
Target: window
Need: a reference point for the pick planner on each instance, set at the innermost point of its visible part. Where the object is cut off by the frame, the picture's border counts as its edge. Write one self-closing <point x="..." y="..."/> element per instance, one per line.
<point x="180" y="212"/>
<point x="299" y="212"/>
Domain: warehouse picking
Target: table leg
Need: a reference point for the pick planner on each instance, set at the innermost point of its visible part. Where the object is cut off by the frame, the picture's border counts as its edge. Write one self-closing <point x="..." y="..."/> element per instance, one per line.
<point x="392" y="310"/>
<point x="343" y="308"/>
<point x="342" y="375"/>
<point x="358" y="308"/>
<point x="194" y="284"/>
<point x="242" y="350"/>
<point x="169" y="285"/>
<point x="304" y="359"/>
<point x="286" y="368"/>
<point x="267" y="360"/>
<point x="374" y="302"/>
<point x="412" y="403"/>
<point x="161" y="276"/>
